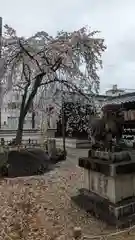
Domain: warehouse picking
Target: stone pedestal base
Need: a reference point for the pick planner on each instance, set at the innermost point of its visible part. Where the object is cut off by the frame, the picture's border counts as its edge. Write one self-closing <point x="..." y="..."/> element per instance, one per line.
<point x="109" y="190"/>
<point x="120" y="215"/>
<point x="112" y="188"/>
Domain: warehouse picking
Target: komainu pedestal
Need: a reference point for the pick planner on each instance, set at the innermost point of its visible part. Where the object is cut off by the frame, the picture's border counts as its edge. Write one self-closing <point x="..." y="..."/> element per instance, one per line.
<point x="109" y="189"/>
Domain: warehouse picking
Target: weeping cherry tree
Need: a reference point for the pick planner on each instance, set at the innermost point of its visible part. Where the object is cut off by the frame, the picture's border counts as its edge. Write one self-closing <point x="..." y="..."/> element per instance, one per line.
<point x="33" y="64"/>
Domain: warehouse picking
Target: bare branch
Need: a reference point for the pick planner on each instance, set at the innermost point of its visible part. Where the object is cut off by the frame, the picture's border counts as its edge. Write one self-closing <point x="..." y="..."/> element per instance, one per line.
<point x="27" y="76"/>
<point x="68" y="85"/>
<point x="30" y="56"/>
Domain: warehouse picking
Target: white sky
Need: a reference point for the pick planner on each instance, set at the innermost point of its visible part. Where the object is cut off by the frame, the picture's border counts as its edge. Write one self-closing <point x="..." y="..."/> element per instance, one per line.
<point x="114" y="18"/>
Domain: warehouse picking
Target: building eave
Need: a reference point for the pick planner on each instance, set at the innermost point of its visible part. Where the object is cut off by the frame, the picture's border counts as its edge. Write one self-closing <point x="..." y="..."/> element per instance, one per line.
<point x="127" y="97"/>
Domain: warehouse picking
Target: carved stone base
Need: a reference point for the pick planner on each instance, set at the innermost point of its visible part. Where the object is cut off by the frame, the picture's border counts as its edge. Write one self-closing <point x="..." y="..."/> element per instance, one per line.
<point x="112" y="188"/>
<point x="106" y="167"/>
<point x="121" y="214"/>
<point x="109" y="190"/>
<point x="112" y="181"/>
<point x="110" y="156"/>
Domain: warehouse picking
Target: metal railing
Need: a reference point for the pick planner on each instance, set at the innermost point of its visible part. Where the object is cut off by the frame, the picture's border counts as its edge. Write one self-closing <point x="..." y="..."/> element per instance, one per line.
<point x="7" y="145"/>
<point x="11" y="131"/>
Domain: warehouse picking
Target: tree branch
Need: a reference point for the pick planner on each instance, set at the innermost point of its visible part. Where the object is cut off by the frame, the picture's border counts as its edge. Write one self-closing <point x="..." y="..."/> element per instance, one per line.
<point x="37" y="84"/>
<point x="54" y="67"/>
<point x="23" y="100"/>
<point x="24" y="73"/>
<point x="33" y="92"/>
<point x="30" y="56"/>
<point x="68" y="85"/>
<point x="56" y="64"/>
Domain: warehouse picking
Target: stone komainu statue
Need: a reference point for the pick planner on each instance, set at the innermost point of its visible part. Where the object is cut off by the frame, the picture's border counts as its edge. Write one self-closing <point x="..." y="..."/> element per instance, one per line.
<point x="109" y="126"/>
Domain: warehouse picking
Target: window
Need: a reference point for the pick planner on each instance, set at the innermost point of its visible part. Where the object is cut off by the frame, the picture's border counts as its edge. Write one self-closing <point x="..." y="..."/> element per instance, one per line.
<point x="14" y="105"/>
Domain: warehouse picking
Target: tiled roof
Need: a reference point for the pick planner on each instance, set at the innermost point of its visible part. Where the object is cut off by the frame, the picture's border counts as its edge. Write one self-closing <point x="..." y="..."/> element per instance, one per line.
<point x="128" y="97"/>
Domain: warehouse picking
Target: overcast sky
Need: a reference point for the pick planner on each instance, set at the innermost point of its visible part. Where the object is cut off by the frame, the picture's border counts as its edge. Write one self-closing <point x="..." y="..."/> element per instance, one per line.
<point x="114" y="18"/>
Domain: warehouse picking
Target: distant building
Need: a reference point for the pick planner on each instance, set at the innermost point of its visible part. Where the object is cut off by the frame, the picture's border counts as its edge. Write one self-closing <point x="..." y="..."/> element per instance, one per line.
<point x="114" y="92"/>
<point x="11" y="107"/>
<point x="10" y="112"/>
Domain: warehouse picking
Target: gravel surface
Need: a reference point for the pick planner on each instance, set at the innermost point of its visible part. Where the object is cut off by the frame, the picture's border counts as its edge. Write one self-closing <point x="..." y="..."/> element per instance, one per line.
<point x="40" y="207"/>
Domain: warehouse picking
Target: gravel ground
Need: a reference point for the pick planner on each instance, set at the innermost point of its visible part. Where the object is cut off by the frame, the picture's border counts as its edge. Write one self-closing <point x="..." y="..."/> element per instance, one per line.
<point x="41" y="208"/>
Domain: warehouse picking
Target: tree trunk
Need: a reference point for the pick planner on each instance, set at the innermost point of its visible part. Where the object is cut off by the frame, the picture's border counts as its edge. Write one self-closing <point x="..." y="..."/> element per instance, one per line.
<point x="33" y="120"/>
<point x="19" y="133"/>
<point x="25" y="106"/>
<point x="19" y="130"/>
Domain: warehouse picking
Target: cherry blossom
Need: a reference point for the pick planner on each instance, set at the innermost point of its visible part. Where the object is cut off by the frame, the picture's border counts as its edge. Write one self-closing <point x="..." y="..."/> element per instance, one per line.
<point x="43" y="62"/>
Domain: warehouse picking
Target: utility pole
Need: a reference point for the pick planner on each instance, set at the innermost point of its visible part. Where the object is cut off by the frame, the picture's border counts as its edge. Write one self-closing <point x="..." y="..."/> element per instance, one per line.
<point x="0" y="59"/>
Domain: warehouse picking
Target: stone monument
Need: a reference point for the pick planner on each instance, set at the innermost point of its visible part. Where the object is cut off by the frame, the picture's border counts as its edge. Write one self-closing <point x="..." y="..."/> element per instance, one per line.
<point x="48" y="130"/>
<point x="109" y="173"/>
